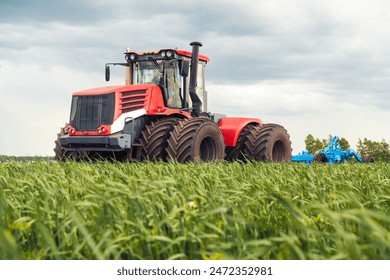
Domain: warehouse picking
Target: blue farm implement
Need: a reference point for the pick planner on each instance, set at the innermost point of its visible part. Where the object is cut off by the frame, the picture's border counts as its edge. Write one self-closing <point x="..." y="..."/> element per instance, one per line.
<point x="331" y="154"/>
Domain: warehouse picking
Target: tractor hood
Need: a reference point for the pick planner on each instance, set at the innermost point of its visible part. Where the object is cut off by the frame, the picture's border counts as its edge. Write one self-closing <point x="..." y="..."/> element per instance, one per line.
<point x="112" y="106"/>
<point x="112" y="89"/>
<point x="93" y="108"/>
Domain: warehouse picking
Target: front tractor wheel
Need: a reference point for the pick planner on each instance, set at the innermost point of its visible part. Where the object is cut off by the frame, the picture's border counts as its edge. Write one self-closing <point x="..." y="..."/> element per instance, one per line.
<point x="269" y="142"/>
<point x="196" y="140"/>
<point x="61" y="154"/>
<point x="154" y="138"/>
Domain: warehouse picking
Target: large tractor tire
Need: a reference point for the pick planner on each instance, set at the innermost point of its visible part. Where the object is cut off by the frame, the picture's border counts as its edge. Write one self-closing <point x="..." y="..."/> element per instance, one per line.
<point x="154" y="139"/>
<point x="269" y="142"/>
<point x="61" y="154"/>
<point x="237" y="152"/>
<point x="196" y="140"/>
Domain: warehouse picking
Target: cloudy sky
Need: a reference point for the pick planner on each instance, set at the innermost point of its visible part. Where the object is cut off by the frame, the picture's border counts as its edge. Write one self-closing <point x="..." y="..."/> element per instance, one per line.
<point x="319" y="67"/>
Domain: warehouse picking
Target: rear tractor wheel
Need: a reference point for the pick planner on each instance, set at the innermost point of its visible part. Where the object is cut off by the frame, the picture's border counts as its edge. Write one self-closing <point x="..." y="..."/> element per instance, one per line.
<point x="269" y="142"/>
<point x="237" y="152"/>
<point x="196" y="140"/>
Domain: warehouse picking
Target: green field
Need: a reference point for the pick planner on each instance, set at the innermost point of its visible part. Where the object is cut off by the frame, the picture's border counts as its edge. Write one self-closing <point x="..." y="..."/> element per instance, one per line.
<point x="106" y="210"/>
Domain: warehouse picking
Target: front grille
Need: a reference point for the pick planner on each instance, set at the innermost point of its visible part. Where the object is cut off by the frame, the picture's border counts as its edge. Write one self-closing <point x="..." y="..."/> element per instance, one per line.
<point x="90" y="112"/>
<point x="132" y="100"/>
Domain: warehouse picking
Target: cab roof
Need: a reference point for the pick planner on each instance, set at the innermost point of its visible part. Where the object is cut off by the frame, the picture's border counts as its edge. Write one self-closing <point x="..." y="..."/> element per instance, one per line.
<point x="175" y="51"/>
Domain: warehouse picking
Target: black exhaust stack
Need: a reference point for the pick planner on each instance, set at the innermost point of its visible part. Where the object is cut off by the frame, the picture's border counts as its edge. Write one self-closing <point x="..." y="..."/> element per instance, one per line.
<point x="196" y="102"/>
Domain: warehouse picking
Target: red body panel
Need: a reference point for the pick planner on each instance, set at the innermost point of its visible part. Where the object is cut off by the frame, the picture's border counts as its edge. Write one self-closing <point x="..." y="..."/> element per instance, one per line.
<point x="155" y="105"/>
<point x="189" y="54"/>
<point x="232" y="127"/>
<point x="101" y="131"/>
<point x="105" y="90"/>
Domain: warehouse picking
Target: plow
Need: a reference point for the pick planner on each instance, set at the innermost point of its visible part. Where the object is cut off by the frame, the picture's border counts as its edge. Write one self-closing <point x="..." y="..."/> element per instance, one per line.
<point x="332" y="153"/>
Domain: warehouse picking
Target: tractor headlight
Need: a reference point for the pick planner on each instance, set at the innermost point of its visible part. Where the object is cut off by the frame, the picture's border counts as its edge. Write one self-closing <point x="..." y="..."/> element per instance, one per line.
<point x="103" y="129"/>
<point x="169" y="53"/>
<point x="71" y="130"/>
<point x="131" y="57"/>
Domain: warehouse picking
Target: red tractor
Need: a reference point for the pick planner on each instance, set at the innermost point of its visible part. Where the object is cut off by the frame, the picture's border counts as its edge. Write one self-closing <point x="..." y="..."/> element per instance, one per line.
<point x="161" y="114"/>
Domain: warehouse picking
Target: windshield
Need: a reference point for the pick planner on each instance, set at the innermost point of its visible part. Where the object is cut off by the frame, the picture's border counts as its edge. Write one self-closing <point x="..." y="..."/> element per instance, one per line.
<point x="150" y="72"/>
<point x="145" y="72"/>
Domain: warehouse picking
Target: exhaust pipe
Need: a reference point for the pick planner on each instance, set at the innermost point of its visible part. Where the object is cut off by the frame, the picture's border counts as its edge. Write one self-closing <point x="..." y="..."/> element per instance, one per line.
<point x="196" y="102"/>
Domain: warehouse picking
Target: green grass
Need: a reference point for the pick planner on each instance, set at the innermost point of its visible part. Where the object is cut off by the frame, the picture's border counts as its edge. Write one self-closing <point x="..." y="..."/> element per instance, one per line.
<point x="109" y="210"/>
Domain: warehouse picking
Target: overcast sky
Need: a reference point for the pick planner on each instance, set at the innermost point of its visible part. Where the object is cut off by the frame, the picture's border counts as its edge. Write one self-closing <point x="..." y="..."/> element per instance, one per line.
<point x="319" y="67"/>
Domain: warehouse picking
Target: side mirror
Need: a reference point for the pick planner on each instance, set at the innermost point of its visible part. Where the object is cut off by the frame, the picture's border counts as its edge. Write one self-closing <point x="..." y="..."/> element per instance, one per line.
<point x="185" y="68"/>
<point x="107" y="73"/>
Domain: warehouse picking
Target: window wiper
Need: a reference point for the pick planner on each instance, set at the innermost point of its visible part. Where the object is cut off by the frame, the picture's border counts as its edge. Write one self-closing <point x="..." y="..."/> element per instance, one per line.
<point x="155" y="63"/>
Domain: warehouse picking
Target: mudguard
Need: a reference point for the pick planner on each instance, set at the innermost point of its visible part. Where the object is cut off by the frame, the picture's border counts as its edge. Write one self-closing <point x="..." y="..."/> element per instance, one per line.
<point x="231" y="128"/>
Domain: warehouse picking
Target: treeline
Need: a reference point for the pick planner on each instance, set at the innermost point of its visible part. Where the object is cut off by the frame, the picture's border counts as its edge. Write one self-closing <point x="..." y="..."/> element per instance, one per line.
<point x="379" y="150"/>
<point x="4" y="158"/>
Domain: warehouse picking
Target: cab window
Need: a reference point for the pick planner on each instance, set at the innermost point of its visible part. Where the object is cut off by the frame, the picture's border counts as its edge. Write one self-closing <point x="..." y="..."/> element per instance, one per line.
<point x="174" y="85"/>
<point x="146" y="72"/>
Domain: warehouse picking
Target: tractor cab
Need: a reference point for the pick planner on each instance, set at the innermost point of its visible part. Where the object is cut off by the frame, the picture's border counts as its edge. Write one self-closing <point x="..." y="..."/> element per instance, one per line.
<point x="170" y="69"/>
